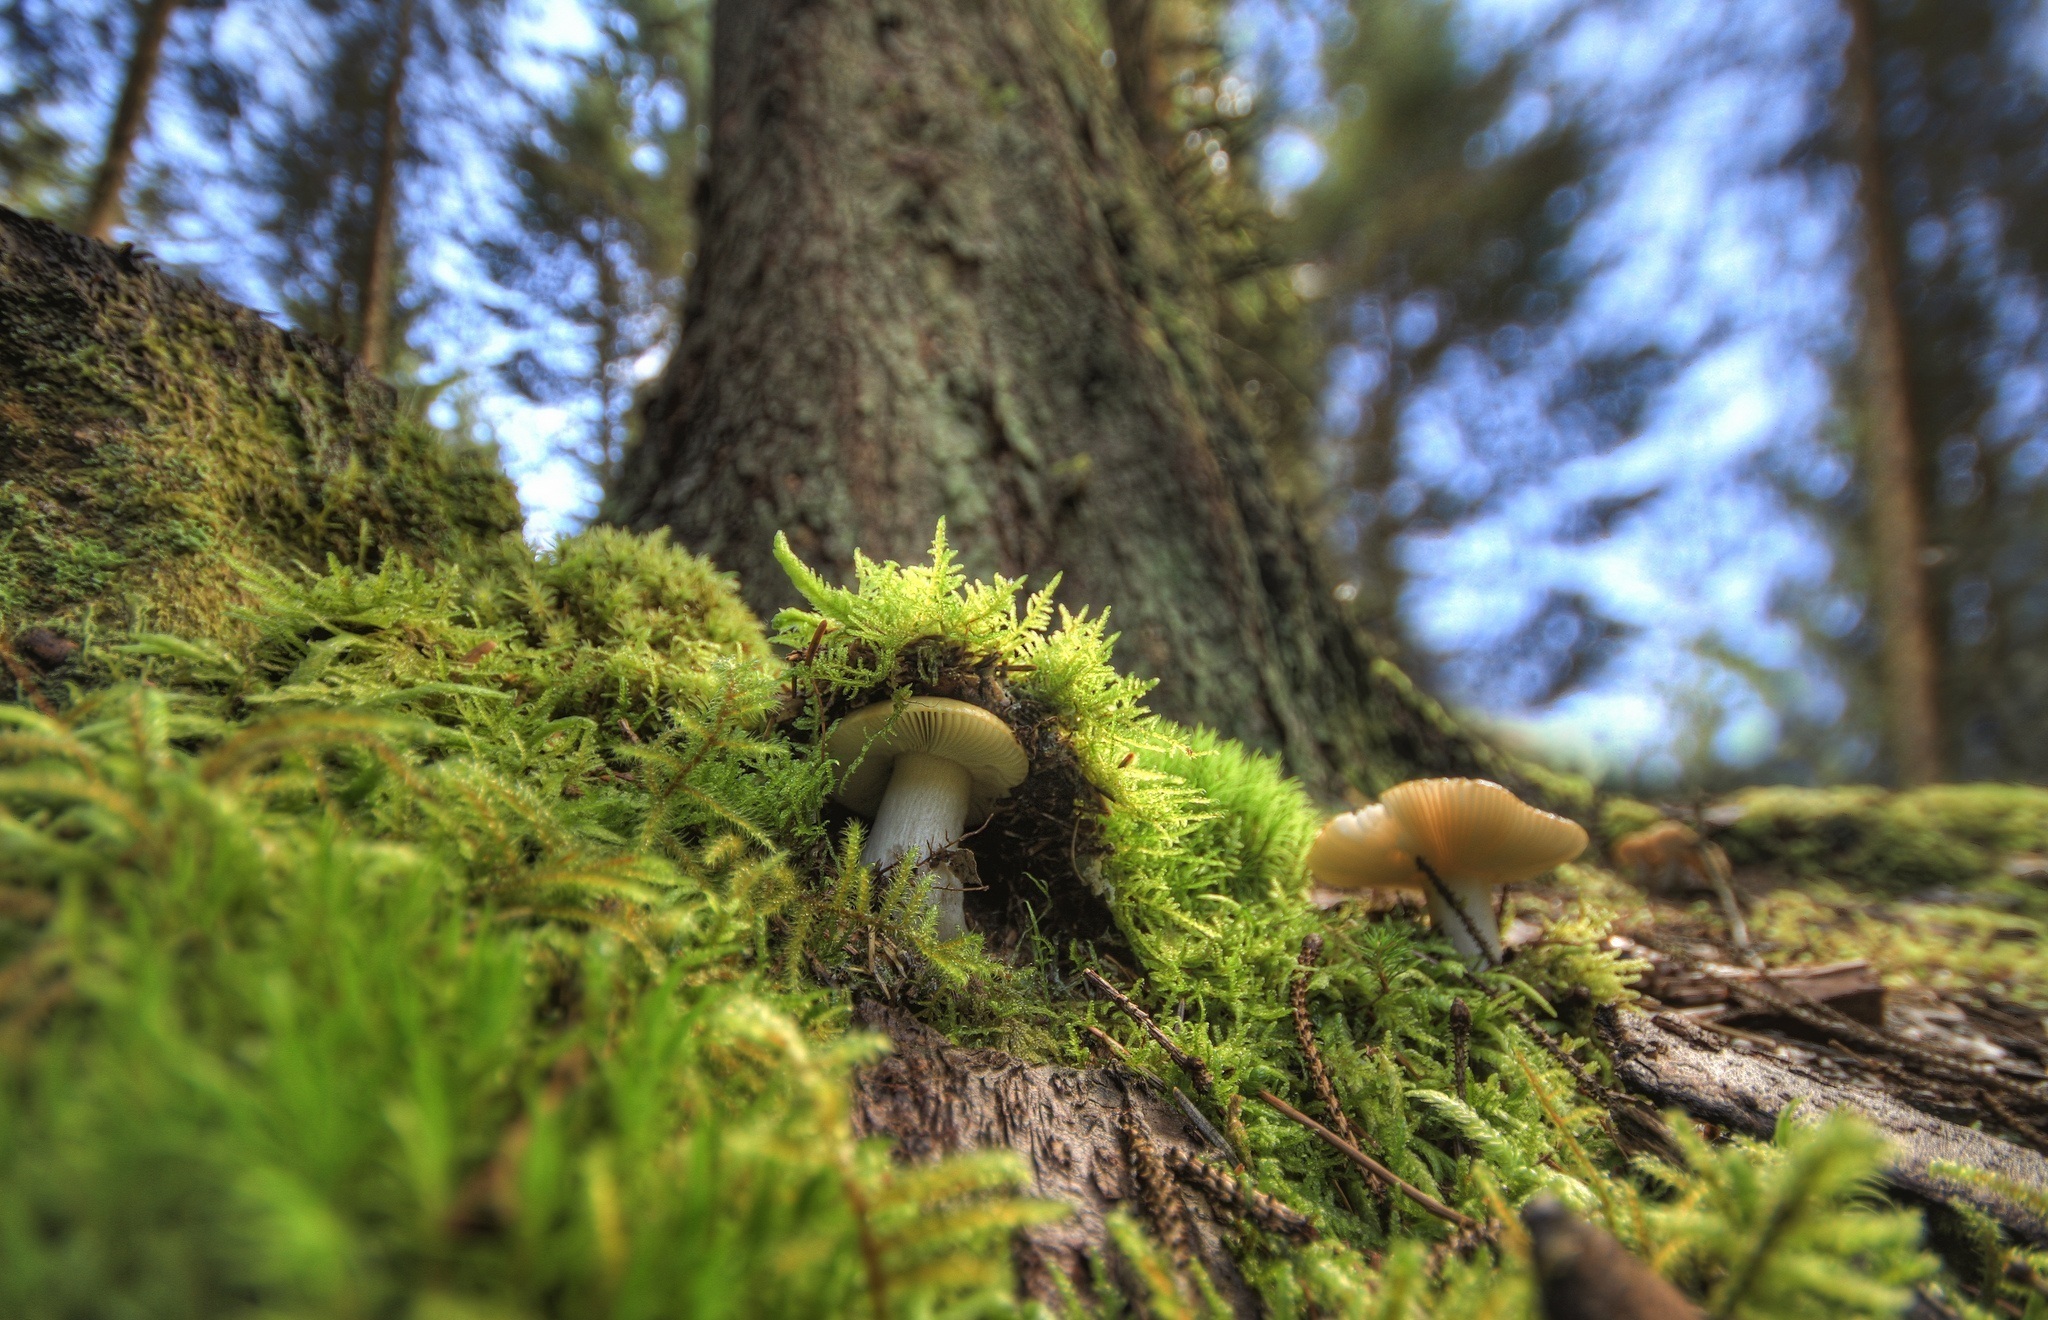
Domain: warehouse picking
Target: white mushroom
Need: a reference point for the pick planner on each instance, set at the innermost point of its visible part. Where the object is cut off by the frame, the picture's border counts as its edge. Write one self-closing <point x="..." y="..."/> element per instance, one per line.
<point x="1455" y="840"/>
<point x="919" y="773"/>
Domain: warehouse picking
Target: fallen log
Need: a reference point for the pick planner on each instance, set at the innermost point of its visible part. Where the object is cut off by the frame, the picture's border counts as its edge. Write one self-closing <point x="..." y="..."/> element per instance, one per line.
<point x="1676" y="1063"/>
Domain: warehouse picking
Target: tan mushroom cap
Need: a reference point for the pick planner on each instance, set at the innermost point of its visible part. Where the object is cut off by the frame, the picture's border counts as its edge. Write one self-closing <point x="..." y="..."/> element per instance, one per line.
<point x="1473" y="831"/>
<point x="1361" y="850"/>
<point x="955" y="731"/>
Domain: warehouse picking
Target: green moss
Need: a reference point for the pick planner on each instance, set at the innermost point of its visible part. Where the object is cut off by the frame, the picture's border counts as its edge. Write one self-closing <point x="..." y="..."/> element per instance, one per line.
<point x="479" y="939"/>
<point x="1952" y="835"/>
<point x="152" y="435"/>
<point x="1621" y="816"/>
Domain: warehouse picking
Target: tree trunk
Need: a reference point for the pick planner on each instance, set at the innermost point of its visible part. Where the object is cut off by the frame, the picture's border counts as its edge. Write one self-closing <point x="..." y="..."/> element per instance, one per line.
<point x="941" y="277"/>
<point x="1134" y="41"/>
<point x="610" y="298"/>
<point x="103" y="208"/>
<point x="376" y="284"/>
<point x="1897" y="507"/>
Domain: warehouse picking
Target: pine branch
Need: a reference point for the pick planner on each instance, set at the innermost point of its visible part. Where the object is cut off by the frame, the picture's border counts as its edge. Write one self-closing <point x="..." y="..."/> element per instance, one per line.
<point x="1305" y="1032"/>
<point x="1242" y="1199"/>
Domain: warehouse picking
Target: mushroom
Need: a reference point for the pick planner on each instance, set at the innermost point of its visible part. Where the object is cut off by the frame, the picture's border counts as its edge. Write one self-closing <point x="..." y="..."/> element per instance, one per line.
<point x="1455" y="840"/>
<point x="918" y="772"/>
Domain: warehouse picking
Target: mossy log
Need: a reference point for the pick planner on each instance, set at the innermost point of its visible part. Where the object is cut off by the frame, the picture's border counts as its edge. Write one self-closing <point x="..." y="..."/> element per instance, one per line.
<point x="154" y="435"/>
<point x="1952" y="836"/>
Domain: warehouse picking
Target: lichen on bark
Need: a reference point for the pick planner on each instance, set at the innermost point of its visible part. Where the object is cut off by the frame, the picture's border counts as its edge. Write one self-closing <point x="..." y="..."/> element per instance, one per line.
<point x="155" y="438"/>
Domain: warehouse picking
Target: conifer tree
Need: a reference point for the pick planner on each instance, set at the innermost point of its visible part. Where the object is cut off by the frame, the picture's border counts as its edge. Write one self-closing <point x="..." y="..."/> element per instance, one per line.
<point x="386" y="81"/>
<point x="1948" y="137"/>
<point x="1434" y="225"/>
<point x="604" y="222"/>
<point x="49" y="53"/>
<point x="131" y="115"/>
<point x="1893" y="448"/>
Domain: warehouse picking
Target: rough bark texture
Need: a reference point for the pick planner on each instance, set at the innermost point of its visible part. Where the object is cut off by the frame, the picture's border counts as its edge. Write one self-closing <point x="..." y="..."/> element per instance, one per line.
<point x="1676" y="1063"/>
<point x="939" y="276"/>
<point x="154" y="435"/>
<point x="103" y="208"/>
<point x="1069" y="1124"/>
<point x="1898" y="523"/>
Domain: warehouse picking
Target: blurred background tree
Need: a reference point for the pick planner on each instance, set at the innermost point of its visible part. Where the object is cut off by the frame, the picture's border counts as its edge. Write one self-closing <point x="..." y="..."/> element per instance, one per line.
<point x="604" y="221"/>
<point x="1963" y="129"/>
<point x="1554" y="318"/>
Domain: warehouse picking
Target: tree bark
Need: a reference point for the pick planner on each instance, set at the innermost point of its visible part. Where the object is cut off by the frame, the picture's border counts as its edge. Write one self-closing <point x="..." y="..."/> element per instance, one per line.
<point x="941" y="277"/>
<point x="1674" y="1062"/>
<point x="103" y="207"/>
<point x="1074" y="1127"/>
<point x="376" y="284"/>
<point x="1896" y="461"/>
<point x="1134" y="38"/>
<point x="610" y="350"/>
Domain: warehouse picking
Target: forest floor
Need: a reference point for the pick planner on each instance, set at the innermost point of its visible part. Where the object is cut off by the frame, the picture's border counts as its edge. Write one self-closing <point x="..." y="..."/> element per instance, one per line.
<point x="1935" y="997"/>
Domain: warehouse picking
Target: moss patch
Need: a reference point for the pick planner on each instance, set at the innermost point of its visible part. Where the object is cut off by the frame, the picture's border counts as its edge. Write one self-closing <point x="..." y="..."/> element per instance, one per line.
<point x="152" y="434"/>
<point x="1946" y="836"/>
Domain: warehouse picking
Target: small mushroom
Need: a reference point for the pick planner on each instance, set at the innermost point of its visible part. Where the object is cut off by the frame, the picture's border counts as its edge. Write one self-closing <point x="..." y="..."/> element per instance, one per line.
<point x="1455" y="840"/>
<point x="919" y="773"/>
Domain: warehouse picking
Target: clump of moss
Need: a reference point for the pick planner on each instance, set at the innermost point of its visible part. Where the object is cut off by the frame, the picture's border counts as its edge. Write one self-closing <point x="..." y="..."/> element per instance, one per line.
<point x="1947" y="835"/>
<point x="154" y="436"/>
<point x="1621" y="816"/>
<point x="480" y="940"/>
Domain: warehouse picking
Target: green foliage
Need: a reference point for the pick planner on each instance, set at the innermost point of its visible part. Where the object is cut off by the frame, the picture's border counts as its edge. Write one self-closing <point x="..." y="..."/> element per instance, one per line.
<point x="1789" y="1229"/>
<point x="1963" y="949"/>
<point x="262" y="1055"/>
<point x="1620" y="816"/>
<point x="477" y="940"/>
<point x="1955" y="835"/>
<point x="601" y="237"/>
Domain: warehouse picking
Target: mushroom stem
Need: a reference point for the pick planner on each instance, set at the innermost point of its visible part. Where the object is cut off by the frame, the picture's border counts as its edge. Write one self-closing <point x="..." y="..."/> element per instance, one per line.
<point x="923" y="811"/>
<point x="1465" y="913"/>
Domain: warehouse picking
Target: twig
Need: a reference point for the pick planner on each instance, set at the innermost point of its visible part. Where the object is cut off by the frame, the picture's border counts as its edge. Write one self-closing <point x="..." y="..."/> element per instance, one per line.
<point x="1587" y="1083"/>
<point x="1461" y="1057"/>
<point x="1242" y="1199"/>
<point x="1201" y="1124"/>
<point x="1183" y="1060"/>
<point x="1717" y="875"/>
<point x="1157" y="1191"/>
<point x="1116" y="1047"/>
<point x="1461" y="1044"/>
<point x="1304" y="1030"/>
<point x="1630" y="1118"/>
<point x="1373" y="1166"/>
<point x="1457" y="1244"/>
<point x="1939" y="1064"/>
<point x="2035" y="1137"/>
